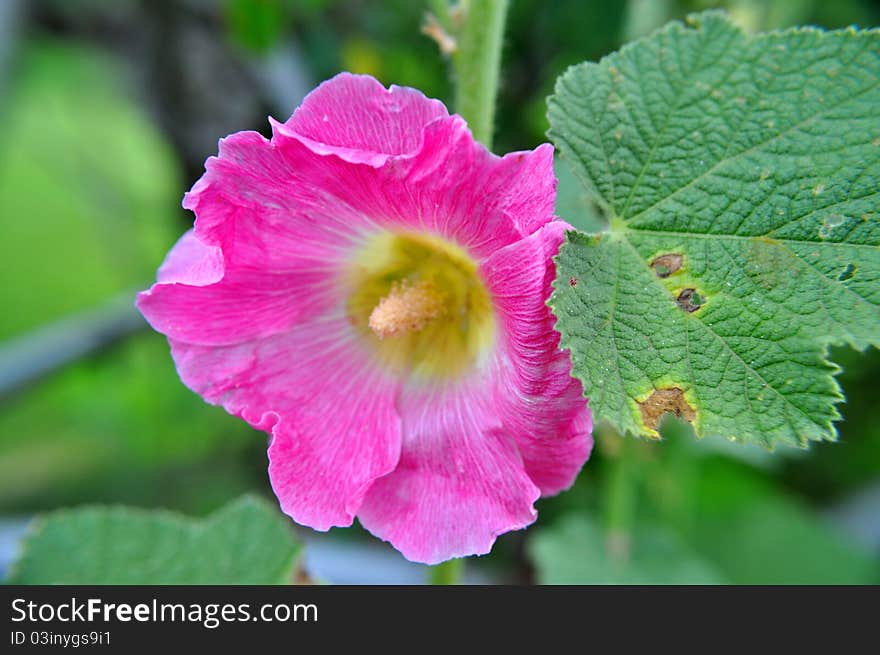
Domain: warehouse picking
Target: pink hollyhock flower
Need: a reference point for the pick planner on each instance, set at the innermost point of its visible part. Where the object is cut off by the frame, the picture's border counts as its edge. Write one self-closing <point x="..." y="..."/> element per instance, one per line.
<point x="369" y="286"/>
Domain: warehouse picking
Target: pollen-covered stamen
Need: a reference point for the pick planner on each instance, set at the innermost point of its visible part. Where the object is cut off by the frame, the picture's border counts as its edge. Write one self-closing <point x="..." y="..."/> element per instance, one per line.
<point x="409" y="307"/>
<point x="420" y="304"/>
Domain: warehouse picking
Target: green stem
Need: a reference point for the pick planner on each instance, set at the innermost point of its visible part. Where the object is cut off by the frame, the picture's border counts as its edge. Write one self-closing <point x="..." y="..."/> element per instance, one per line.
<point x="447" y="573"/>
<point x="477" y="63"/>
<point x="441" y="13"/>
<point x="681" y="469"/>
<point x="619" y="491"/>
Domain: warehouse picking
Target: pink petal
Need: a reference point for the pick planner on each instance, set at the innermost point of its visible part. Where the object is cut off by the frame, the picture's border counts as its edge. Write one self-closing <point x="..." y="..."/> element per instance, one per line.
<point x="196" y="299"/>
<point x="356" y="118"/>
<point x="330" y="411"/>
<point x="280" y="240"/>
<point x="279" y="205"/>
<point x="266" y="205"/>
<point x="452" y="187"/>
<point x="459" y="483"/>
<point x="541" y="405"/>
<point x="530" y="187"/>
<point x="191" y="262"/>
<point x="244" y="305"/>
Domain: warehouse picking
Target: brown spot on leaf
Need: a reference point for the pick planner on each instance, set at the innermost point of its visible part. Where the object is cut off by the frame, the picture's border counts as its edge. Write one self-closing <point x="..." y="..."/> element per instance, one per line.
<point x="690" y="300"/>
<point x="666" y="265"/>
<point x="572" y="282"/>
<point x="665" y="401"/>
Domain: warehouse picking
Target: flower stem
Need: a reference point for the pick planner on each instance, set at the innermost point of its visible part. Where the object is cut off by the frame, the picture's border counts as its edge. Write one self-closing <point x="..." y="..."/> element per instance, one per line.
<point x="619" y="491"/>
<point x="447" y="573"/>
<point x="477" y="62"/>
<point x="441" y="13"/>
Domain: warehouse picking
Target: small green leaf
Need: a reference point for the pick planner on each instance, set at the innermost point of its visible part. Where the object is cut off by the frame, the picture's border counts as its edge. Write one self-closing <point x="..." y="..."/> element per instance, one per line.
<point x="575" y="552"/>
<point x="751" y="164"/>
<point x="245" y="542"/>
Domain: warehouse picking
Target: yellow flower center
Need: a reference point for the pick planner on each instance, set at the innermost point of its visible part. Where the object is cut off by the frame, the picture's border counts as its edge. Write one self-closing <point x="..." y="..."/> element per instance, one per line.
<point x="420" y="305"/>
<point x="407" y="308"/>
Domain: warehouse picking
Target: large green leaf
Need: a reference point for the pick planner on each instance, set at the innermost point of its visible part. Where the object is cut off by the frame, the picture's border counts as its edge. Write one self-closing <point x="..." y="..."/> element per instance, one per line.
<point x="246" y="542"/>
<point x="575" y="552"/>
<point x="740" y="175"/>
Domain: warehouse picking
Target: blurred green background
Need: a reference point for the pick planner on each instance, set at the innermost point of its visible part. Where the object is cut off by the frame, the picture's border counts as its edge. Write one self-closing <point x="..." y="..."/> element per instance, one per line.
<point x="109" y="108"/>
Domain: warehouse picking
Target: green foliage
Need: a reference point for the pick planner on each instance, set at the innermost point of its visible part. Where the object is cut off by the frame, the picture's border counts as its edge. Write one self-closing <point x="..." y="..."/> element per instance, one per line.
<point x="256" y="24"/>
<point x="778" y="542"/>
<point x="109" y="427"/>
<point x="246" y="542"/>
<point x="89" y="188"/>
<point x="90" y="205"/>
<point x="575" y="551"/>
<point x="756" y="534"/>
<point x="740" y="176"/>
<point x="698" y="513"/>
